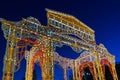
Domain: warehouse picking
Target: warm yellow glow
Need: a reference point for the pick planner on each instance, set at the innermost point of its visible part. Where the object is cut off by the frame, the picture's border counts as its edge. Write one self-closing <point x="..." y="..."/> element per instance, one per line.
<point x="44" y="39"/>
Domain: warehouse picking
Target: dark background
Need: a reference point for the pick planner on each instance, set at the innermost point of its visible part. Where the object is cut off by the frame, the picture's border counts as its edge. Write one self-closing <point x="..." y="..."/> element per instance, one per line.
<point x="103" y="16"/>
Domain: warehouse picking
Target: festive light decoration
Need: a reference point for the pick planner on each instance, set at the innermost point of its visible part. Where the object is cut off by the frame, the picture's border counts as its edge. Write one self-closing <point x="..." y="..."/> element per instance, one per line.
<point x="36" y="43"/>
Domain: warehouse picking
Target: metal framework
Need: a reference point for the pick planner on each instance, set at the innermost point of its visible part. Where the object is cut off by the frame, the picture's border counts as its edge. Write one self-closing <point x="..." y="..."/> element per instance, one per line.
<point x="36" y="43"/>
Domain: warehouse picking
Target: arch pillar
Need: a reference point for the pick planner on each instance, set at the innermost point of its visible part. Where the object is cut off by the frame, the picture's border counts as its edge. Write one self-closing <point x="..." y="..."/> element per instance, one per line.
<point x="29" y="66"/>
<point x="49" y="57"/>
<point x="111" y="68"/>
<point x="92" y="71"/>
<point x="65" y="73"/>
<point x="98" y="67"/>
<point x="79" y="73"/>
<point x="114" y="72"/>
<point x="9" y="64"/>
<point x="47" y="60"/>
<point x="73" y="73"/>
<point x="43" y="65"/>
<point x="84" y="65"/>
<point x="76" y="68"/>
<point x="10" y="55"/>
<point x="95" y="72"/>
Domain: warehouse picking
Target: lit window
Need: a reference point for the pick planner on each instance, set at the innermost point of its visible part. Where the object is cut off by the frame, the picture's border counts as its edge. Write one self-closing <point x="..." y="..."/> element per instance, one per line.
<point x="50" y="21"/>
<point x="55" y="23"/>
<point x="63" y="26"/>
<point x="59" y="25"/>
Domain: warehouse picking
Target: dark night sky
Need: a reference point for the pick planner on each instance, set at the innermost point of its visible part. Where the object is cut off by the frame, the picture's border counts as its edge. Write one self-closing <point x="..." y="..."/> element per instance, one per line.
<point x="103" y="16"/>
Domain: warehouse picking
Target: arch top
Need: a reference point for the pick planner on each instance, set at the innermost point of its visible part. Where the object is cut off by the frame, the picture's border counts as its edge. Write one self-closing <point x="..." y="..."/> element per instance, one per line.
<point x="103" y="49"/>
<point x="69" y="19"/>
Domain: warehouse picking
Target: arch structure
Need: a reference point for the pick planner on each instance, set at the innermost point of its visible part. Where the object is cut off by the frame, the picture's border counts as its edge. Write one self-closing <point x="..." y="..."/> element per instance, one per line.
<point x="37" y="43"/>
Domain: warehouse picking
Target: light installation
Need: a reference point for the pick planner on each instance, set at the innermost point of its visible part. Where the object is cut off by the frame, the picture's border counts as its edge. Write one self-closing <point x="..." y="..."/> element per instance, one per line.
<point x="62" y="29"/>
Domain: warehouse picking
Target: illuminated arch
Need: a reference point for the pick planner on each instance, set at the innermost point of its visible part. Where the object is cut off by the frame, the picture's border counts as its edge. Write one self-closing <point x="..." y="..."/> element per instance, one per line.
<point x="56" y="33"/>
<point x="106" y="62"/>
<point x="84" y="65"/>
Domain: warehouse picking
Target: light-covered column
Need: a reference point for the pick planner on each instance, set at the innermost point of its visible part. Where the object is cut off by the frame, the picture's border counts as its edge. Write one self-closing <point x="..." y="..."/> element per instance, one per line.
<point x="73" y="73"/>
<point x="77" y="72"/>
<point x="48" y="64"/>
<point x="99" y="75"/>
<point x="65" y="73"/>
<point x="29" y="66"/>
<point x="10" y="55"/>
<point x="9" y="63"/>
<point x="79" y="78"/>
<point x="114" y="72"/>
<point x="73" y="69"/>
